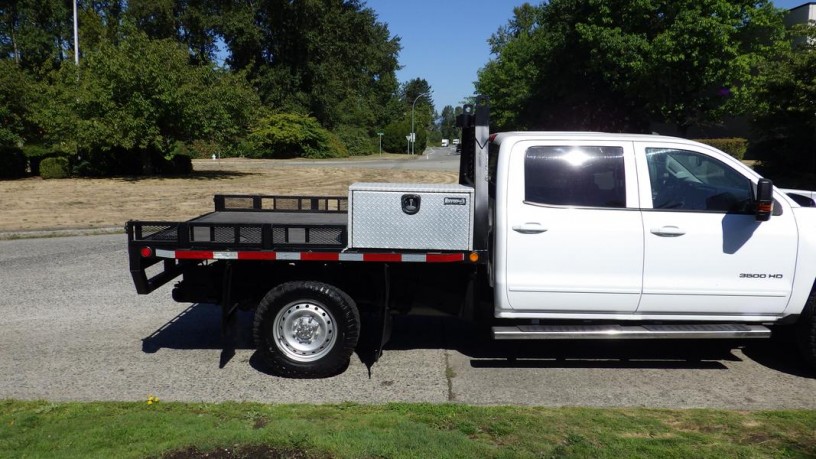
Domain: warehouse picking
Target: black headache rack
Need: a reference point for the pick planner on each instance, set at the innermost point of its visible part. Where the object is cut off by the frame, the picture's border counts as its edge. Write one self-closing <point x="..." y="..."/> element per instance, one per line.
<point x="240" y="222"/>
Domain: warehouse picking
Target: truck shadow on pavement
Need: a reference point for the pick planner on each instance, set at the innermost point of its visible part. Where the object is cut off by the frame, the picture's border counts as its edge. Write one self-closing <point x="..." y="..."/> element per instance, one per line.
<point x="444" y="332"/>
<point x="199" y="327"/>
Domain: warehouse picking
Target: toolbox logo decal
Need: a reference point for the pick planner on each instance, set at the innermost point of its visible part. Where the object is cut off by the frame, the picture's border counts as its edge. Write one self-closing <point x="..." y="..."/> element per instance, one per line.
<point x="455" y="201"/>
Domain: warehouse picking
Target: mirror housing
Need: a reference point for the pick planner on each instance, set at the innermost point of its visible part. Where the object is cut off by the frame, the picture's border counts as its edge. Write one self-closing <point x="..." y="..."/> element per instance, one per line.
<point x="764" y="200"/>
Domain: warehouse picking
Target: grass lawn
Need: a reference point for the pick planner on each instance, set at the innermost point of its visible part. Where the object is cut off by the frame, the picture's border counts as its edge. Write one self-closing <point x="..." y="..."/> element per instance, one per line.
<point x="182" y="430"/>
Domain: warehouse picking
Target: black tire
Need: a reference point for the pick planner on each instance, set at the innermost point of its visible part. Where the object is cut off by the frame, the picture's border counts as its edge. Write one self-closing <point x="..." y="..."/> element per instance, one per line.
<point x="306" y="329"/>
<point x="806" y="330"/>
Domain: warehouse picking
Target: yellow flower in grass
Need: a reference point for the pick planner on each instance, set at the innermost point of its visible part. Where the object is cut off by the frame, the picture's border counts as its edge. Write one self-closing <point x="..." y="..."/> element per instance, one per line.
<point x="151" y="399"/>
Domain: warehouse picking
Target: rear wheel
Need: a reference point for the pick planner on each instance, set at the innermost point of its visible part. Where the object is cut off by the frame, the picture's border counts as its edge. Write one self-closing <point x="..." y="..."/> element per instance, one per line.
<point x="306" y="329"/>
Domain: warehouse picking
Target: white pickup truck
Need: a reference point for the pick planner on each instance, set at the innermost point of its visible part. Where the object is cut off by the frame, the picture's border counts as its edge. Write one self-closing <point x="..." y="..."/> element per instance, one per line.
<point x="549" y="235"/>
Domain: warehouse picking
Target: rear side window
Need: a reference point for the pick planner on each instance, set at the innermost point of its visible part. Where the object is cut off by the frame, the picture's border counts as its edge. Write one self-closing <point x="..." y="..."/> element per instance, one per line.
<point x="575" y="176"/>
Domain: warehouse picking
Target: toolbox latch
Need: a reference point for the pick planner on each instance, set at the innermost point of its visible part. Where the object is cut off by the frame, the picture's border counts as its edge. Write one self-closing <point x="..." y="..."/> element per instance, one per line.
<point x="410" y="203"/>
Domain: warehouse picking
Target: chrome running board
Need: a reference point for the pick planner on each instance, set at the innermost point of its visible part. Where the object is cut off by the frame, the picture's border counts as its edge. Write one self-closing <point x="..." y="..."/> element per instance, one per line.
<point x="661" y="331"/>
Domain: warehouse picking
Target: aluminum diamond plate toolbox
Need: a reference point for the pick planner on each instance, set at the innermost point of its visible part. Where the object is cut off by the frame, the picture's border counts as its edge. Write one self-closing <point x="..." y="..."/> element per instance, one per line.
<point x="410" y="216"/>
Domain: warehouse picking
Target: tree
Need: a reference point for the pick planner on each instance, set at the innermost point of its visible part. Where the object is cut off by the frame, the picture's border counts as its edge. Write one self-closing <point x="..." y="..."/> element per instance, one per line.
<point x="144" y="95"/>
<point x="36" y="34"/>
<point x="416" y="95"/>
<point x="785" y="113"/>
<point x="192" y="22"/>
<point x="18" y="95"/>
<point x="586" y="64"/>
<point x="447" y="122"/>
<point x="412" y="89"/>
<point x="147" y="81"/>
<point x="395" y="136"/>
<point x="330" y="59"/>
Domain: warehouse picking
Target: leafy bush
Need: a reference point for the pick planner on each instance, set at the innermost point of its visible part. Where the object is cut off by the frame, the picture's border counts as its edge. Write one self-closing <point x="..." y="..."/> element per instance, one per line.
<point x="12" y="163"/>
<point x="394" y="140"/>
<point x="291" y="135"/>
<point x="735" y="147"/>
<point x="35" y="154"/>
<point x="357" y="141"/>
<point x="55" y="168"/>
<point x="196" y="149"/>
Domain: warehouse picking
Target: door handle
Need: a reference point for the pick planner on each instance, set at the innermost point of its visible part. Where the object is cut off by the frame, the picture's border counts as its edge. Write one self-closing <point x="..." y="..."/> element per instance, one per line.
<point x="529" y="228"/>
<point x="668" y="231"/>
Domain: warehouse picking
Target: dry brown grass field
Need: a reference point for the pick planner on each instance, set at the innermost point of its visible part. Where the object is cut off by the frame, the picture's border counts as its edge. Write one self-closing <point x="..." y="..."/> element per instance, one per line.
<point x="35" y="204"/>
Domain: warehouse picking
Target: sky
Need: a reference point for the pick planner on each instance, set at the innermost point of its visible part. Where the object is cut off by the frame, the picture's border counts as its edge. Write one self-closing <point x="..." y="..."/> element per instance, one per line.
<point x="445" y="41"/>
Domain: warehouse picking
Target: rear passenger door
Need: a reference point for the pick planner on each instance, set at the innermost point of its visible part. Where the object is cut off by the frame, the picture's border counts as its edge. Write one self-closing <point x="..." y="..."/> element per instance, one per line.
<point x="573" y="233"/>
<point x="705" y="253"/>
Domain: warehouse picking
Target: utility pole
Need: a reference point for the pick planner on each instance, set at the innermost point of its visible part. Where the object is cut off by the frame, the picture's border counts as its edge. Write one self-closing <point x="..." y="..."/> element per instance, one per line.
<point x="76" y="34"/>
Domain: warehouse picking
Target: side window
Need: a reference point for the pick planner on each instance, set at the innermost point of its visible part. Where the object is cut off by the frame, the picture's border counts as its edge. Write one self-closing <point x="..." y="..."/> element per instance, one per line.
<point x="687" y="180"/>
<point x="575" y="176"/>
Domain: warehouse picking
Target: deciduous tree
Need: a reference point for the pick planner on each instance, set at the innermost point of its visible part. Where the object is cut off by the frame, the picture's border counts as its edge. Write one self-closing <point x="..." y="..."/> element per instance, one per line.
<point x="591" y="64"/>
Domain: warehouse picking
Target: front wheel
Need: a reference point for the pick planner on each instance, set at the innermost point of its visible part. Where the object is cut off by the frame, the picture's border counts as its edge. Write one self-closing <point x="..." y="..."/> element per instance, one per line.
<point x="806" y="330"/>
<point x="306" y="329"/>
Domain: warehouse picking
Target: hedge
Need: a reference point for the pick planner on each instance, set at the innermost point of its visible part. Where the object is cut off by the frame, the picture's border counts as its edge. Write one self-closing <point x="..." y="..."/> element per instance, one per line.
<point x="36" y="153"/>
<point x="735" y="147"/>
<point x="55" y="168"/>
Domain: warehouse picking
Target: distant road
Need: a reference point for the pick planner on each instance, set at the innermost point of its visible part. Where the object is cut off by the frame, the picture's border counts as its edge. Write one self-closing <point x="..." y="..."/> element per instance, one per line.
<point x="73" y="328"/>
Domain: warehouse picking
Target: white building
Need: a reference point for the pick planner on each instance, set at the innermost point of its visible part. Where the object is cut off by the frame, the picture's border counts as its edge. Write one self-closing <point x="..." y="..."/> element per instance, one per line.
<point x="802" y="14"/>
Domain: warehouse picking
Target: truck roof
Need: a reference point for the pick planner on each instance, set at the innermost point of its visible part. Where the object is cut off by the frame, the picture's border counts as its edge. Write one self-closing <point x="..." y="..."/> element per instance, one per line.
<point x="578" y="135"/>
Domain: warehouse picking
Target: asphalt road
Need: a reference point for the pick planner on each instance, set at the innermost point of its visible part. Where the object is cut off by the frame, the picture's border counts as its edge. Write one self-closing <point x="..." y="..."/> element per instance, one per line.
<point x="73" y="328"/>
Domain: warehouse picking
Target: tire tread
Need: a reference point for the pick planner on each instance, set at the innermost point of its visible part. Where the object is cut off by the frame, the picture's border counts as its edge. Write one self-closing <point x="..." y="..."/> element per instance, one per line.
<point x="342" y="307"/>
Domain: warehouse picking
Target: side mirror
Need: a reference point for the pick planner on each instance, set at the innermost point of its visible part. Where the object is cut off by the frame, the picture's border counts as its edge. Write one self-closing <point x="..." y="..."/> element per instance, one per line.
<point x="764" y="200"/>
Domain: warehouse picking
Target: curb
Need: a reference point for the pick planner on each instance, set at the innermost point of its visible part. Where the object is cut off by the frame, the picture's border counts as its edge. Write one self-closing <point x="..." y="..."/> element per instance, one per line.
<point x="39" y="234"/>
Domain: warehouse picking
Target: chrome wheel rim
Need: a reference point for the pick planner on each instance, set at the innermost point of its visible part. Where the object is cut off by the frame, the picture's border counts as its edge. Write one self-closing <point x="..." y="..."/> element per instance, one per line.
<point x="304" y="331"/>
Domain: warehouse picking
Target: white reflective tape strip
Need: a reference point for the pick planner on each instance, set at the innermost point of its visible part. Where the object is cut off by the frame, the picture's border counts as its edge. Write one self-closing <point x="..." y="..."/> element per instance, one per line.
<point x="351" y="257"/>
<point x="165" y="253"/>
<point x="413" y="258"/>
<point x="225" y="255"/>
<point x="287" y="255"/>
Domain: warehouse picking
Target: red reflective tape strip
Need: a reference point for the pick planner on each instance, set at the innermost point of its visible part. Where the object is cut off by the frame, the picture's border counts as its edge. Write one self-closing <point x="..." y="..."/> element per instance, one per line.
<point x="444" y="257"/>
<point x="381" y="257"/>
<point x="319" y="256"/>
<point x="194" y="255"/>
<point x="257" y="255"/>
<point x="313" y="256"/>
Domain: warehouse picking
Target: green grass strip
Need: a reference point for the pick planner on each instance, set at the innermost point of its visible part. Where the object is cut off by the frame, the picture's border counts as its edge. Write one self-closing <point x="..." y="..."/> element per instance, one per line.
<point x="137" y="430"/>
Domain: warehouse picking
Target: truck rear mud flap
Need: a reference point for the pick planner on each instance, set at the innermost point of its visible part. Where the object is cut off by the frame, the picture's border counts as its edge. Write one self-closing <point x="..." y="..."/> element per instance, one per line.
<point x="614" y="331"/>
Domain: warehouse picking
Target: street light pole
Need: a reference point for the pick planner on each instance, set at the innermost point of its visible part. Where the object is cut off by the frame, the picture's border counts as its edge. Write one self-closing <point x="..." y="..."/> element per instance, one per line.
<point x="76" y="35"/>
<point x="413" y="136"/>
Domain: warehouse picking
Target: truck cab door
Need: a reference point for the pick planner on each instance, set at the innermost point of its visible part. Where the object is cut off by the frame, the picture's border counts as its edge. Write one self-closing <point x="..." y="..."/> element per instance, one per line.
<point x="705" y="251"/>
<point x="571" y="238"/>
